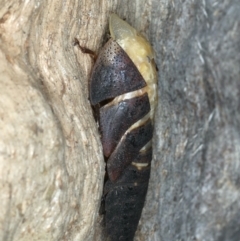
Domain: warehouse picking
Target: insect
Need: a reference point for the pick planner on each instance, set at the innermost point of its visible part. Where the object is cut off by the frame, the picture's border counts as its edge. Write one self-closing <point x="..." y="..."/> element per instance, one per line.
<point x="123" y="87"/>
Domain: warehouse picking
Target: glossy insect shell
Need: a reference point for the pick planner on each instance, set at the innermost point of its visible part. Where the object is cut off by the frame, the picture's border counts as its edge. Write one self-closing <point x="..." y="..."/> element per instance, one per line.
<point x="123" y="86"/>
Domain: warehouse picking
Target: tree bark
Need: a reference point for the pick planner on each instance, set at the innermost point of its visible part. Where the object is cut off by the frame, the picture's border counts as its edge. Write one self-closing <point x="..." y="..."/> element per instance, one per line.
<point x="51" y="161"/>
<point x="195" y="180"/>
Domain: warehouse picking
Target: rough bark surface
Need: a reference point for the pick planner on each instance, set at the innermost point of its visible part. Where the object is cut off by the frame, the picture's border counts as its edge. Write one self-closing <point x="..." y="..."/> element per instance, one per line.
<point x="51" y="161"/>
<point x="195" y="180"/>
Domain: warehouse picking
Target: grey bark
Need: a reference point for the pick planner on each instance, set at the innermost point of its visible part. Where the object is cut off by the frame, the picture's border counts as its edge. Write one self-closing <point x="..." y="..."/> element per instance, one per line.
<point x="51" y="163"/>
<point x="195" y="190"/>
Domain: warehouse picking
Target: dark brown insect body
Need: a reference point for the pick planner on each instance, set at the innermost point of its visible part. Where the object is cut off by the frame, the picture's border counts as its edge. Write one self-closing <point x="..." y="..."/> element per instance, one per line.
<point x="123" y="85"/>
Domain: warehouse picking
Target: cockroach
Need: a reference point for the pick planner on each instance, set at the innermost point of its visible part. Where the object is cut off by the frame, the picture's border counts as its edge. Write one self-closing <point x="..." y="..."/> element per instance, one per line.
<point x="123" y="85"/>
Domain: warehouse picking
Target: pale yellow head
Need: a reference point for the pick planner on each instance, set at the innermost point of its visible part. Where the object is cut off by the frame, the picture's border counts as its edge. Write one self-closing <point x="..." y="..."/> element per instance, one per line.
<point x="140" y="52"/>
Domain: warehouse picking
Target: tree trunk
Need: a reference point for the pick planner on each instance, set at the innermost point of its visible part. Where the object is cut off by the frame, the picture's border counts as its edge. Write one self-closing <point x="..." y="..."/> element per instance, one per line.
<point x="51" y="161"/>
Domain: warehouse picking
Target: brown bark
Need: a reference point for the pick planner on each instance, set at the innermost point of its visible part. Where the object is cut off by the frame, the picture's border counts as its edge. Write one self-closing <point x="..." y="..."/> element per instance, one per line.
<point x="52" y="166"/>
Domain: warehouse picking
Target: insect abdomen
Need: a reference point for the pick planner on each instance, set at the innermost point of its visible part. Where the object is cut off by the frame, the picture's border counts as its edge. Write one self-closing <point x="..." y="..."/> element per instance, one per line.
<point x="123" y="85"/>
